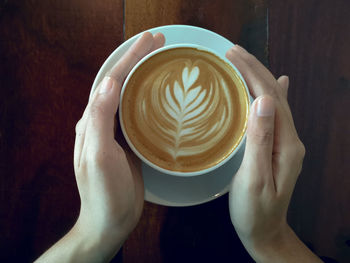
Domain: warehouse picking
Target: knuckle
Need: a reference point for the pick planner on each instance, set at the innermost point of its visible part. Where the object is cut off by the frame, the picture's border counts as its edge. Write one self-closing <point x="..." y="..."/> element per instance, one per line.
<point x="301" y="149"/>
<point x="78" y="127"/>
<point x="120" y="151"/>
<point x="118" y="77"/>
<point x="275" y="92"/>
<point x="230" y="54"/>
<point x="96" y="110"/>
<point x="135" y="54"/>
<point x="296" y="151"/>
<point x="80" y="170"/>
<point x="250" y="59"/>
<point x="263" y="136"/>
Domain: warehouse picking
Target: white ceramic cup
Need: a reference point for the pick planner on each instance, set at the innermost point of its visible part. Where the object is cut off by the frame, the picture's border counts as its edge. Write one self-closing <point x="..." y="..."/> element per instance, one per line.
<point x="145" y="160"/>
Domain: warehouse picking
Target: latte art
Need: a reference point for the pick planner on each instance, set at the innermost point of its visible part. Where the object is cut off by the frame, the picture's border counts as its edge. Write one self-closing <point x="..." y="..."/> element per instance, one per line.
<point x="178" y="104"/>
<point x="184" y="110"/>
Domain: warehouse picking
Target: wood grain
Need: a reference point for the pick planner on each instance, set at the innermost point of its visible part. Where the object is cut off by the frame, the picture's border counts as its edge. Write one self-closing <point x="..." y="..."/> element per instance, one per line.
<point x="309" y="42"/>
<point x="224" y="17"/>
<point x="50" y="53"/>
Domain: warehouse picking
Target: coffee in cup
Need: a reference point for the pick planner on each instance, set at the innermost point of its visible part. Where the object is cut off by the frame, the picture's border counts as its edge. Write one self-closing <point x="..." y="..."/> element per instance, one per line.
<point x="184" y="110"/>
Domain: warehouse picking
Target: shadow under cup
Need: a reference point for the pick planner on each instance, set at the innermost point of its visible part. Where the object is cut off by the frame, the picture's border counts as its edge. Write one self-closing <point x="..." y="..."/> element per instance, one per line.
<point x="184" y="110"/>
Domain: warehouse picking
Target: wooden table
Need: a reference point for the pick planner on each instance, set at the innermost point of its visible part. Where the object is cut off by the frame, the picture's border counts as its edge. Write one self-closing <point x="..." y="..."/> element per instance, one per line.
<point x="50" y="52"/>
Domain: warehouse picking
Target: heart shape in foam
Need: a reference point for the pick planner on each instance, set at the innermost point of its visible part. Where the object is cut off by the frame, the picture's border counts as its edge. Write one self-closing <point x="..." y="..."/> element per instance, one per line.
<point x="190" y="107"/>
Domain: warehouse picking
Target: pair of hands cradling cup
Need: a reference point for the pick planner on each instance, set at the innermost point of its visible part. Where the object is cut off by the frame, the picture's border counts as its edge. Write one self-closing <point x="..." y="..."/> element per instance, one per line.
<point x="111" y="186"/>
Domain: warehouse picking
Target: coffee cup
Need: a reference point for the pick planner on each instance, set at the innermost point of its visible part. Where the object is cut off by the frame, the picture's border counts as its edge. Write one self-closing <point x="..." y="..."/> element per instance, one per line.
<point x="184" y="110"/>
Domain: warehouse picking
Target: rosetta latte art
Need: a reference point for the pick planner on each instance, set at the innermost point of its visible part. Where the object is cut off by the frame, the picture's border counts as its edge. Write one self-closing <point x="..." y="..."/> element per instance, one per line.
<point x="187" y="107"/>
<point x="184" y="110"/>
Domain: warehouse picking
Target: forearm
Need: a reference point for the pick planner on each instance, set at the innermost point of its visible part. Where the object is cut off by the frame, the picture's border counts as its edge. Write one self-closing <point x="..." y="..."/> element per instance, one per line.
<point x="77" y="246"/>
<point x="286" y="248"/>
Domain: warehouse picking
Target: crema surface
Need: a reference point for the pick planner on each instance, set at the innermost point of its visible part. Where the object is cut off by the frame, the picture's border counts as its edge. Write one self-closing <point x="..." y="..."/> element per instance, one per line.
<point x="185" y="109"/>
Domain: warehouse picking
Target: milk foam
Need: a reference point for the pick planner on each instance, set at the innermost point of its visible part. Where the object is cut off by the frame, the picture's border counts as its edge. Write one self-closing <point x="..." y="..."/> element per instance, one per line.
<point x="184" y="110"/>
<point x="187" y="118"/>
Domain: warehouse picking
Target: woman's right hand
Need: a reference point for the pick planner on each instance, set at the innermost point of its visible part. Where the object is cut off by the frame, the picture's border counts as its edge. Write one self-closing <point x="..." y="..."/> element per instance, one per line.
<point x="261" y="190"/>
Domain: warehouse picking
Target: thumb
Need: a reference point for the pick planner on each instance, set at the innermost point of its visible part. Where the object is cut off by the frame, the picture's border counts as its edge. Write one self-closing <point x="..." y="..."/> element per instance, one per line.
<point x="260" y="134"/>
<point x="102" y="109"/>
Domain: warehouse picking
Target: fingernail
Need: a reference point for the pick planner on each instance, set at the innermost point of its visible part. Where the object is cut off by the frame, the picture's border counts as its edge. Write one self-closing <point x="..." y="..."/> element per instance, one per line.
<point x="265" y="107"/>
<point x="106" y="85"/>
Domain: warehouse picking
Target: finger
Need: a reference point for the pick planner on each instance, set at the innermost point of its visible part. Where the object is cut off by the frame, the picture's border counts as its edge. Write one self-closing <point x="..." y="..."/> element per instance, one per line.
<point x="80" y="130"/>
<point x="283" y="82"/>
<point x="159" y="41"/>
<point x="255" y="74"/>
<point x="261" y="82"/>
<point x="257" y="160"/>
<point x="259" y="79"/>
<point x="119" y="72"/>
<point x="135" y="53"/>
<point x="260" y="133"/>
<point x="101" y="113"/>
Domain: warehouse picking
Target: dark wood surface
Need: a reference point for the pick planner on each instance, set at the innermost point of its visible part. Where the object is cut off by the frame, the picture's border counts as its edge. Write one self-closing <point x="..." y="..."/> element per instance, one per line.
<point x="309" y="40"/>
<point x="50" y="52"/>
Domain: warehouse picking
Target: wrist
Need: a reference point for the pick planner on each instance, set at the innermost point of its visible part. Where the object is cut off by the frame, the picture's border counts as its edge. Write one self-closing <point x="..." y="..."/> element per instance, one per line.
<point x="282" y="246"/>
<point x="263" y="248"/>
<point x="82" y="245"/>
<point x="101" y="245"/>
<point x="266" y="248"/>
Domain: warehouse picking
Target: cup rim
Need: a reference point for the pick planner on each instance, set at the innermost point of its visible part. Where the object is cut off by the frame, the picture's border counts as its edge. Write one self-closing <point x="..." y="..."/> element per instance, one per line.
<point x="143" y="158"/>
